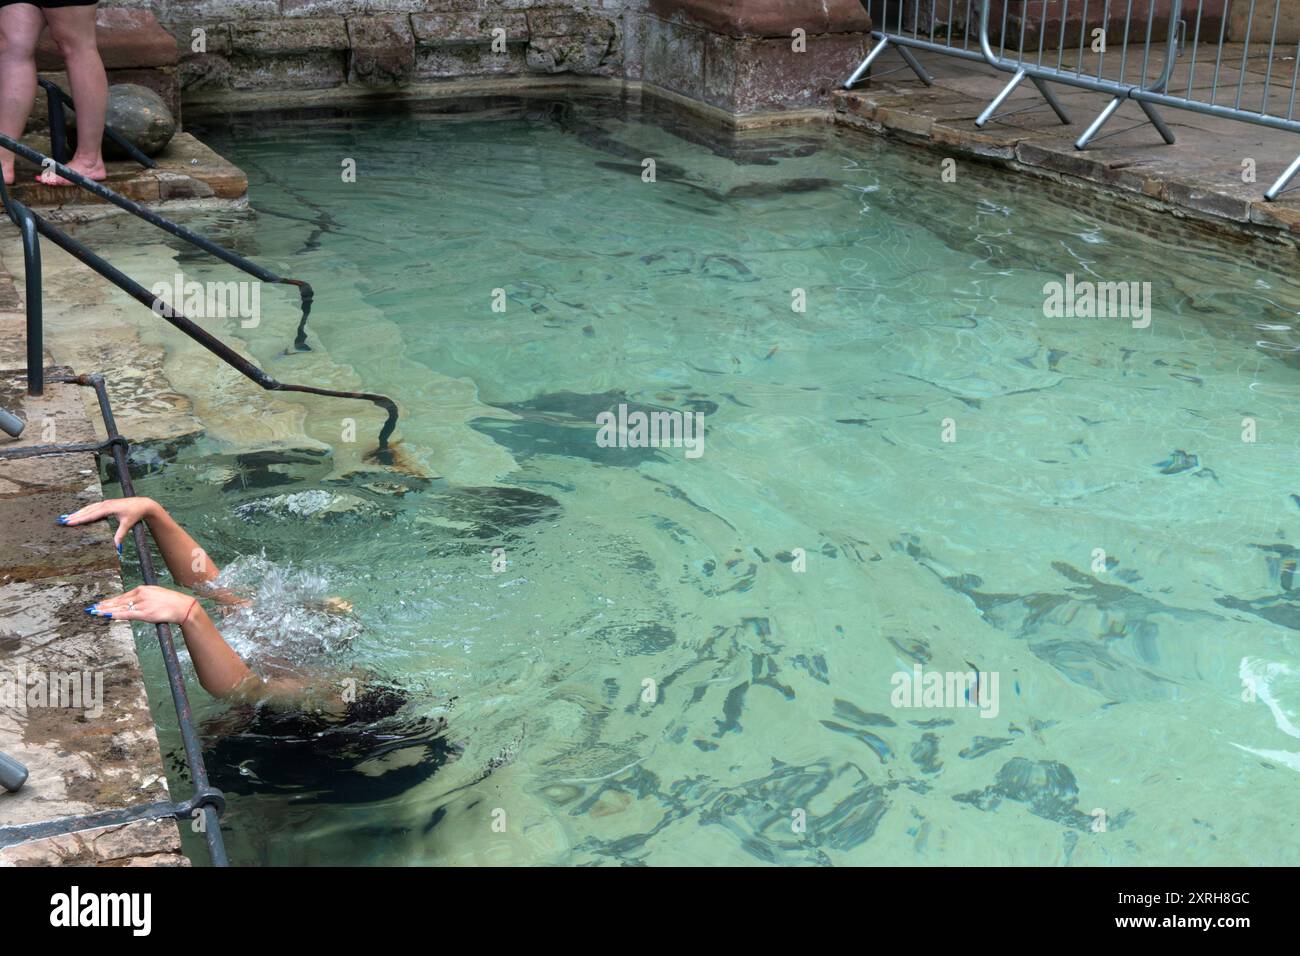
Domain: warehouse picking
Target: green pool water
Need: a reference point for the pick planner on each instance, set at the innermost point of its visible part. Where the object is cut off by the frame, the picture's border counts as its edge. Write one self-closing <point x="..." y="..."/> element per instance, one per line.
<point x="666" y="659"/>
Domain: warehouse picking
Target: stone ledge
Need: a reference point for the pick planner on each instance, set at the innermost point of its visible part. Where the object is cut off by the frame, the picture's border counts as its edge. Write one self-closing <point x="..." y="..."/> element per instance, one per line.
<point x="96" y="750"/>
<point x="1183" y="195"/>
<point x="146" y="843"/>
<point x="472" y="28"/>
<point x="440" y="94"/>
<point x="320" y="44"/>
<point x="271" y="38"/>
<point x="187" y="171"/>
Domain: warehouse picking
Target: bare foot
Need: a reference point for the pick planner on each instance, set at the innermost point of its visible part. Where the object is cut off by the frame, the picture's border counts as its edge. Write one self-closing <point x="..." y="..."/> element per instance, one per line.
<point x="97" y="172"/>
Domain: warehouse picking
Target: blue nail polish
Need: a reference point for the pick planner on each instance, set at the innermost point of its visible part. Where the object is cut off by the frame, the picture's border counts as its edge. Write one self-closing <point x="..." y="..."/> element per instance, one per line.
<point x="63" y="519"/>
<point x="104" y="613"/>
<point x="119" y="549"/>
<point x="93" y="609"/>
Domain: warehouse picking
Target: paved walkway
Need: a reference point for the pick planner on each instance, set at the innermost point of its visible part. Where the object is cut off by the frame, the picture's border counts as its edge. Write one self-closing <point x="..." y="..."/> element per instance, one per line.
<point x="1199" y="177"/>
<point x="101" y="752"/>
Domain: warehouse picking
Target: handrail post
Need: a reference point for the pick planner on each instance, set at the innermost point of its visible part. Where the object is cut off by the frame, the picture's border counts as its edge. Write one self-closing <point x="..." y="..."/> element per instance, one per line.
<point x="33" y="294"/>
<point x="58" y="127"/>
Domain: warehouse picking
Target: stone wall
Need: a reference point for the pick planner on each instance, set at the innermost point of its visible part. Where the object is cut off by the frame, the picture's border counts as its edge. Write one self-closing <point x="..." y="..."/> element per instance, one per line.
<point x="244" y="45"/>
<point x="747" y="56"/>
<point x="741" y="56"/>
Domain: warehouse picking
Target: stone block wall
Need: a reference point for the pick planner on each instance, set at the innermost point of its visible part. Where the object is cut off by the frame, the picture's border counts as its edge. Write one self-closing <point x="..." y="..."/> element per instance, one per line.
<point x="748" y="56"/>
<point x="741" y="56"/>
<point x="244" y="45"/>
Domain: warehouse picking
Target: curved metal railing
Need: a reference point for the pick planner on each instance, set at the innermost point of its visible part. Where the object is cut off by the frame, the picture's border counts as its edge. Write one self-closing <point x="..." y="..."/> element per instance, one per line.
<point x="57" y="101"/>
<point x="31" y="225"/>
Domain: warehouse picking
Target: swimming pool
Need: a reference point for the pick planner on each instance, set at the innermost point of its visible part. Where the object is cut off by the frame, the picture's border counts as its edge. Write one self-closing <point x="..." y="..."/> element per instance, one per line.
<point x="912" y="470"/>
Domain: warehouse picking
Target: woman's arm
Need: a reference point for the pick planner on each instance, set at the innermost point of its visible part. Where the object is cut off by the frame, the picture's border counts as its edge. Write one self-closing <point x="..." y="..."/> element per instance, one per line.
<point x="185" y="559"/>
<point x="221" y="671"/>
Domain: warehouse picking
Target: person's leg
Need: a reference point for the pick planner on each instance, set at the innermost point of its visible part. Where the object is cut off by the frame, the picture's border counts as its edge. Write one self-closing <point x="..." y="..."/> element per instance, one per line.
<point x="73" y="29"/>
<point x="20" y="27"/>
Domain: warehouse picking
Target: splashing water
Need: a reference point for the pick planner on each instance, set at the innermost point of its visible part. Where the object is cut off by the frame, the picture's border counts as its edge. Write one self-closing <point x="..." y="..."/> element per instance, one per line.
<point x="287" y="617"/>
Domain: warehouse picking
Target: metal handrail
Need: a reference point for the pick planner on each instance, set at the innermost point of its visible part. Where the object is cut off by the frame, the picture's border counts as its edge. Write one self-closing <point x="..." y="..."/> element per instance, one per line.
<point x="207" y="803"/>
<point x="56" y="100"/>
<point x="32" y="224"/>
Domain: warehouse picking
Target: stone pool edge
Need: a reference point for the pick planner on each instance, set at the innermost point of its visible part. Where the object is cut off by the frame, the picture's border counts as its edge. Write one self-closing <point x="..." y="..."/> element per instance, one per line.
<point x="78" y="763"/>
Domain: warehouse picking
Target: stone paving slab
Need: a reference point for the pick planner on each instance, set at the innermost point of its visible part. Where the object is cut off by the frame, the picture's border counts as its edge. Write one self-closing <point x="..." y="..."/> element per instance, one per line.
<point x="147" y="843"/>
<point x="1198" y="177"/>
<point x="57" y="416"/>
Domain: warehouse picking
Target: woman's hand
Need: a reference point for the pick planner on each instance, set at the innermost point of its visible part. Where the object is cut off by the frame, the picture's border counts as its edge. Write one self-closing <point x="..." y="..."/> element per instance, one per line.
<point x="127" y="511"/>
<point x="147" y="603"/>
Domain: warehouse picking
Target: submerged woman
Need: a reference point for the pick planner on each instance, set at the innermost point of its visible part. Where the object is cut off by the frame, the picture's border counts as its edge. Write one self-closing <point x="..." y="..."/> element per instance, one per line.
<point x="293" y="729"/>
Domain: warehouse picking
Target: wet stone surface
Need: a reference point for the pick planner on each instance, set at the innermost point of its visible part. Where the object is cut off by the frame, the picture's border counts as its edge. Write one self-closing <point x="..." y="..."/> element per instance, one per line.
<point x="73" y="707"/>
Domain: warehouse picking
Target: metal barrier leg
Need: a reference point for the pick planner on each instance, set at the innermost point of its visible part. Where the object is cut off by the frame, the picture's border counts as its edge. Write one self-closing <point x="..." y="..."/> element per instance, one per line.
<point x="908" y="57"/>
<point x="999" y="99"/>
<point x="1015" y="81"/>
<point x="916" y="66"/>
<point x="1282" y="180"/>
<point x="12" y="426"/>
<point x="1157" y="121"/>
<point x="865" y="65"/>
<point x="1052" y="101"/>
<point x="1098" y="123"/>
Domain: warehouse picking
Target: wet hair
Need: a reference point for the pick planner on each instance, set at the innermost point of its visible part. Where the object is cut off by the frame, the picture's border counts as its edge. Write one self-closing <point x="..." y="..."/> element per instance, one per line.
<point x="376" y="703"/>
<point x="322" y="756"/>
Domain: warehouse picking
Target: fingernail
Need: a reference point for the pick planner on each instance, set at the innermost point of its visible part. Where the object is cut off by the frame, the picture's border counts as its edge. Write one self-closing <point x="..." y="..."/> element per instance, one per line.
<point x="93" y="609"/>
<point x="119" y="549"/>
<point x="63" y="519"/>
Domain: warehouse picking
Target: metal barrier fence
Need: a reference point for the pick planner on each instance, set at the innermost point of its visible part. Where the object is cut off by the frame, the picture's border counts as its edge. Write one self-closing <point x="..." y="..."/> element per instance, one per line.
<point x="1086" y="66"/>
<point x="1221" y="58"/>
<point x="940" y="26"/>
